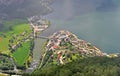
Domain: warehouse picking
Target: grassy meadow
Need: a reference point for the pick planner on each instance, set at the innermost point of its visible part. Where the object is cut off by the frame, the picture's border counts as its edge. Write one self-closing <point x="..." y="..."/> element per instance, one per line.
<point x="21" y="55"/>
<point x="15" y="28"/>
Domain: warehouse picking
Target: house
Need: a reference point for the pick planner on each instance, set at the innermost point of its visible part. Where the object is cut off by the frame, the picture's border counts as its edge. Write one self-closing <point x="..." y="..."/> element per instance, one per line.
<point x="59" y="57"/>
<point x="38" y="24"/>
<point x="14" y="47"/>
<point x="55" y="47"/>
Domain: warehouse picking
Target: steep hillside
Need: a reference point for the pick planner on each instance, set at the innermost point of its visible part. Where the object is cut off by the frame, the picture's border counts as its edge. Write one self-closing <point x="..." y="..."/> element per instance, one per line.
<point x="23" y="8"/>
<point x="95" y="66"/>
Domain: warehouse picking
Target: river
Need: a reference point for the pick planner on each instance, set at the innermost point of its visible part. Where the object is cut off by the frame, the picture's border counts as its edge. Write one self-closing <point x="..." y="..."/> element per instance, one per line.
<point x="37" y="53"/>
<point x="96" y="21"/>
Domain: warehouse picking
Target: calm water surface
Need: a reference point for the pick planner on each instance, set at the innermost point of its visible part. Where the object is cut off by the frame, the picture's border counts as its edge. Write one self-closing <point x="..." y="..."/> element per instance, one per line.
<point x="96" y="21"/>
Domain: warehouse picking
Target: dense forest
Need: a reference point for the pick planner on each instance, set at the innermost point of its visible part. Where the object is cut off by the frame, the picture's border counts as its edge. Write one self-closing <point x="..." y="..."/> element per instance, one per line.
<point x="94" y="66"/>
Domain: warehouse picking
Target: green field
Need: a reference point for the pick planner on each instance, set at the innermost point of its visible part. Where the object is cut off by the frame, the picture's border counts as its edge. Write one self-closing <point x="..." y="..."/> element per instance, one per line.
<point x="22" y="53"/>
<point x="15" y="28"/>
<point x="4" y="45"/>
<point x="4" y="41"/>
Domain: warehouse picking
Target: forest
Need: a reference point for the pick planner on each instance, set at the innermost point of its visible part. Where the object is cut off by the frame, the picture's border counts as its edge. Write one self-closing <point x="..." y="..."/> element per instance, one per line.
<point x="93" y="66"/>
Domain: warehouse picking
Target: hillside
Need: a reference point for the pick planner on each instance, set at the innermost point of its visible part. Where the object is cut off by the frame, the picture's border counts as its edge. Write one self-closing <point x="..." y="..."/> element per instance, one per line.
<point x="64" y="47"/>
<point x="95" y="66"/>
<point x="23" y="8"/>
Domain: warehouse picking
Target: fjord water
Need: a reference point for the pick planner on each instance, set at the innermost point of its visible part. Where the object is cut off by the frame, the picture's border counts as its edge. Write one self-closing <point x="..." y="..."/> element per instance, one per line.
<point x="96" y="21"/>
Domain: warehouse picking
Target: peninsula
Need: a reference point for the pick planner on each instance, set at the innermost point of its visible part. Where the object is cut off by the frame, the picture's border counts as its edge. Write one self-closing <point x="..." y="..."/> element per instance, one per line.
<point x="61" y="48"/>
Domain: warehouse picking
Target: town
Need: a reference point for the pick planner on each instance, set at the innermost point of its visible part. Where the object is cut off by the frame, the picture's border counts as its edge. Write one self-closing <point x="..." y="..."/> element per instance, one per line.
<point x="38" y="24"/>
<point x="64" y="47"/>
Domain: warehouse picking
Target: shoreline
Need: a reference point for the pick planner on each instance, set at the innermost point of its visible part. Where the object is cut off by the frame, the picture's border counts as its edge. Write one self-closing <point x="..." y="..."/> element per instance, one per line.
<point x="37" y="50"/>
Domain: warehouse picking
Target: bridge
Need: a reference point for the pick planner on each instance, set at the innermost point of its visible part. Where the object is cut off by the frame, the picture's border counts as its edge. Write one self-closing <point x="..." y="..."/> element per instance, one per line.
<point x="43" y="37"/>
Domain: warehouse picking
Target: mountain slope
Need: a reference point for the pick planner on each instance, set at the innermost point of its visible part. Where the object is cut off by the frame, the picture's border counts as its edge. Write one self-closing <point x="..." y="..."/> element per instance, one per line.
<point x="23" y="8"/>
<point x="95" y="66"/>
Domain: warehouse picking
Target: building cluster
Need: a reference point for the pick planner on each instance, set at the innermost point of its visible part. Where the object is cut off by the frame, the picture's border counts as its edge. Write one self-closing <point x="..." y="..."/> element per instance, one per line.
<point x="62" y="37"/>
<point x="38" y="24"/>
<point x="56" y="39"/>
<point x="33" y="66"/>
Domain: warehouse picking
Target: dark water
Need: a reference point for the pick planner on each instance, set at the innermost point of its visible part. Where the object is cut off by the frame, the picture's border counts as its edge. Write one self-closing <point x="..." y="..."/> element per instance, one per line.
<point x="96" y="21"/>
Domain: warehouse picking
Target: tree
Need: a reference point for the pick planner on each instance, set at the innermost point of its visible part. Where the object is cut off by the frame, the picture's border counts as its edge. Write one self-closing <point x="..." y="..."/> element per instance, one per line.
<point x="94" y="66"/>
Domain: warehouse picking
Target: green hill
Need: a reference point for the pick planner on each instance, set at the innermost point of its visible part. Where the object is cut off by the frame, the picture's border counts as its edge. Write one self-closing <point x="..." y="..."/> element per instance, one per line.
<point x="94" y="66"/>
